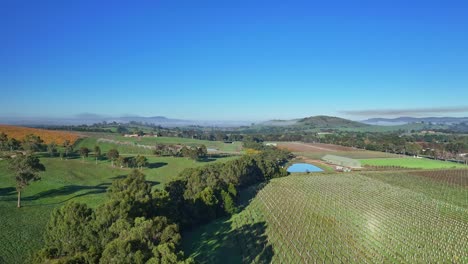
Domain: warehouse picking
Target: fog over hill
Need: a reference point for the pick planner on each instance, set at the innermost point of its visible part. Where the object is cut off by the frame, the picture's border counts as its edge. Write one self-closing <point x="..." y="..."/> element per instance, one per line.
<point x="408" y="120"/>
<point x="89" y="119"/>
<point x="321" y="121"/>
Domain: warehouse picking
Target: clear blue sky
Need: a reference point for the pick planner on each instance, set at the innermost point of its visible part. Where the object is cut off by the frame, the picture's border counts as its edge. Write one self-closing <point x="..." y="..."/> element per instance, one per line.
<point x="233" y="60"/>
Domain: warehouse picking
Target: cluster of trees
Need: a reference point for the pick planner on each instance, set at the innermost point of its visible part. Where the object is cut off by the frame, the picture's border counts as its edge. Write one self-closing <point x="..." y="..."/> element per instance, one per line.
<point x="195" y="153"/>
<point x="132" y="162"/>
<point x="168" y="150"/>
<point x="128" y="228"/>
<point x="139" y="225"/>
<point x="139" y="161"/>
<point x="31" y="143"/>
<point x="205" y="193"/>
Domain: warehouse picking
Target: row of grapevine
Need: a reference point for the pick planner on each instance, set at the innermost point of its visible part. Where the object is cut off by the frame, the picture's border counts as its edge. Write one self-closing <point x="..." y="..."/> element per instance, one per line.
<point x="355" y="219"/>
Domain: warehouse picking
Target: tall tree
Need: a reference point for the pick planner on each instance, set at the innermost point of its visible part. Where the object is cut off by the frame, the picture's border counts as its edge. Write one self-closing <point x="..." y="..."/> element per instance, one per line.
<point x="52" y="149"/>
<point x="84" y="152"/>
<point x="3" y="141"/>
<point x="26" y="168"/>
<point x="113" y="154"/>
<point x="32" y="143"/>
<point x="97" y="152"/>
<point x="202" y="152"/>
<point x="13" y="144"/>
<point x="141" y="161"/>
<point x="68" y="147"/>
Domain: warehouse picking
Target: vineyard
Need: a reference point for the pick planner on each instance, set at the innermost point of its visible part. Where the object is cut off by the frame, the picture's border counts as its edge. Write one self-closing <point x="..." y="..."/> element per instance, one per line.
<point x="356" y="218"/>
<point x="47" y="135"/>
<point x="453" y="177"/>
<point x="317" y="151"/>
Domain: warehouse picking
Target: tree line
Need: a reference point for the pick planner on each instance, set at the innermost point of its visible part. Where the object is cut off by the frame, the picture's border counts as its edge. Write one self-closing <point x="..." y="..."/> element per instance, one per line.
<point x="172" y="150"/>
<point x="439" y="146"/>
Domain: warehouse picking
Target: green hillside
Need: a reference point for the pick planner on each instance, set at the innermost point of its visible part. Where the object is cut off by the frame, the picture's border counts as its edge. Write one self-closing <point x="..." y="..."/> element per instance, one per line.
<point x="328" y="122"/>
<point x="321" y="123"/>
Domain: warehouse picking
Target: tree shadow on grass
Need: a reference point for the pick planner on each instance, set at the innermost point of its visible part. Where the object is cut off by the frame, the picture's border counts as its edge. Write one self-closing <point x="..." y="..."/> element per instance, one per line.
<point x="155" y="165"/>
<point x="253" y="241"/>
<point x="207" y="160"/>
<point x="67" y="190"/>
<point x="219" y="242"/>
<point x="7" y="191"/>
<point x="118" y="177"/>
<point x="63" y="191"/>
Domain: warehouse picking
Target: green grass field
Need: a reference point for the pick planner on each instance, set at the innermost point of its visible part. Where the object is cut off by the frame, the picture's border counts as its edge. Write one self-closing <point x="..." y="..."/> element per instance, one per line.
<point x="133" y="148"/>
<point x="370" y="217"/>
<point x="411" y="163"/>
<point x="90" y="142"/>
<point x="221" y="146"/>
<point x="65" y="180"/>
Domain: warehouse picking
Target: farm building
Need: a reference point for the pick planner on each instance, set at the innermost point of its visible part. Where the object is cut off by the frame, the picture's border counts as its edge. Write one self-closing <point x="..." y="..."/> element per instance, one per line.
<point x="342" y="161"/>
<point x="131" y="135"/>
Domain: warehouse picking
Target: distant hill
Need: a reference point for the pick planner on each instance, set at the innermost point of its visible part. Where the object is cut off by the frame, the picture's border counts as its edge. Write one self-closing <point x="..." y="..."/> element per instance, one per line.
<point x="314" y="122"/>
<point x="323" y="123"/>
<point x="408" y="120"/>
<point x="329" y="122"/>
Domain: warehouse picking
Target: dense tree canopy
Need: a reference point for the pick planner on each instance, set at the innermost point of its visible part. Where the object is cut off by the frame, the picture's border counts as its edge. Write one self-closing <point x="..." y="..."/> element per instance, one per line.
<point x="125" y="229"/>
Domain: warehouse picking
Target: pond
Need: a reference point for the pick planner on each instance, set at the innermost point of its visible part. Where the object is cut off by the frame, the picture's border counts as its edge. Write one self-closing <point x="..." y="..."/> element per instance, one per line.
<point x="303" y="167"/>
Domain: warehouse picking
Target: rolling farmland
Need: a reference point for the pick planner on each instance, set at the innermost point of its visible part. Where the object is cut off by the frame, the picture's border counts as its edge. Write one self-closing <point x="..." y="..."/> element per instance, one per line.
<point x="318" y="150"/>
<point x="391" y="217"/>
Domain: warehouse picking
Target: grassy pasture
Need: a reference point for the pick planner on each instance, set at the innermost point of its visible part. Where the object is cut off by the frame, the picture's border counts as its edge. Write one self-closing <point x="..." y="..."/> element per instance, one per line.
<point x="221" y="146"/>
<point x="65" y="180"/>
<point x="90" y="142"/>
<point x="411" y="163"/>
<point x="391" y="217"/>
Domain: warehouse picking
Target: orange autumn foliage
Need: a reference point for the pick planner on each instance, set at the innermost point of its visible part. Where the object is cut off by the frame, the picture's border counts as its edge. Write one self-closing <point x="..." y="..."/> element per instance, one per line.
<point x="47" y="135"/>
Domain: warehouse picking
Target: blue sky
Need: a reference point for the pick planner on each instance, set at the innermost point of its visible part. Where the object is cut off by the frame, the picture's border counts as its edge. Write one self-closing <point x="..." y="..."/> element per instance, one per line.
<point x="233" y="60"/>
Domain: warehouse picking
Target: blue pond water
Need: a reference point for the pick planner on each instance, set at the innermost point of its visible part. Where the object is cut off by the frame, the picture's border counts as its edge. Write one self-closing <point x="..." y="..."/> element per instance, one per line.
<point x="303" y="167"/>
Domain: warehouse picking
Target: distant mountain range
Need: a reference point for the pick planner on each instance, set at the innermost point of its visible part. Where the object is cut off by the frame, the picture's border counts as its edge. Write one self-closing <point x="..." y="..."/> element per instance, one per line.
<point x="89" y="119"/>
<point x="321" y="123"/>
<point x="409" y="120"/>
<point x="308" y="123"/>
